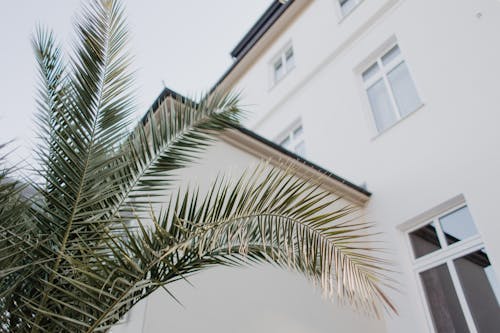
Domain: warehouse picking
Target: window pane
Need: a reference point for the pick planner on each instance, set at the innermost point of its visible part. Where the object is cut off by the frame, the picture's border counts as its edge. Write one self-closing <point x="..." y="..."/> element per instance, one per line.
<point x="347" y="6"/>
<point x="493" y="279"/>
<point x="290" y="59"/>
<point x="285" y="143"/>
<point x="277" y="65"/>
<point x="382" y="109"/>
<point x="391" y="55"/>
<point x="279" y="71"/>
<point x="442" y="300"/>
<point x="424" y="240"/>
<point x="297" y="133"/>
<point x="479" y="290"/>
<point x="458" y="225"/>
<point x="403" y="89"/>
<point x="370" y="72"/>
<point x="300" y="149"/>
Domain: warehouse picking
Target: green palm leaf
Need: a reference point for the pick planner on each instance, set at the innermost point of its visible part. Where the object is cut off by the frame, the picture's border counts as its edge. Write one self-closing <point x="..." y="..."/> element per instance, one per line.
<point x="107" y="223"/>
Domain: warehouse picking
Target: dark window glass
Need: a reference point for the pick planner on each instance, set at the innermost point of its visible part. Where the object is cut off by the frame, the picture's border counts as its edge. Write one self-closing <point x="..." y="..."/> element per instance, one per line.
<point x="479" y="283"/>
<point x="300" y="148"/>
<point x="347" y="5"/>
<point x="447" y="315"/>
<point x="370" y="72"/>
<point x="424" y="240"/>
<point x="290" y="59"/>
<point x="279" y="71"/>
<point x="298" y="131"/>
<point x="391" y="55"/>
<point x="458" y="225"/>
<point x="285" y="143"/>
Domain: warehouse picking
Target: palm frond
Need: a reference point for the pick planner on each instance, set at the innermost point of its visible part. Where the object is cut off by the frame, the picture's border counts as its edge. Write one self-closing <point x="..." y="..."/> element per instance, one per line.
<point x="91" y="177"/>
<point x="72" y="258"/>
<point x="292" y="223"/>
<point x="169" y="139"/>
<point x="266" y="216"/>
<point x="21" y="245"/>
<point x="85" y="112"/>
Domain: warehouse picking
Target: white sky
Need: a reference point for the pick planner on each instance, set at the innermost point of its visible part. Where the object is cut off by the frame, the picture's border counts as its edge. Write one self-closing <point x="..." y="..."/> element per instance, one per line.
<point x="185" y="43"/>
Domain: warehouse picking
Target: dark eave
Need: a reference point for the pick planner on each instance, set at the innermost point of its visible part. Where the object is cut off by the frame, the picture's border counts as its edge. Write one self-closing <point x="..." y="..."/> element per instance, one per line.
<point x="270" y="16"/>
<point x="170" y="93"/>
<point x="260" y="27"/>
<point x="303" y="160"/>
<point x="266" y="21"/>
<point x="166" y="92"/>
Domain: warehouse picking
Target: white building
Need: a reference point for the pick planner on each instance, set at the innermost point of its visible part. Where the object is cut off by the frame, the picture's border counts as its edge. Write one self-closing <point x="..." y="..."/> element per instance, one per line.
<point x="400" y="97"/>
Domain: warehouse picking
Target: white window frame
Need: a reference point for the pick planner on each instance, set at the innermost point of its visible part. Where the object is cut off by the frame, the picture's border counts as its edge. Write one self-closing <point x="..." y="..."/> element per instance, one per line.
<point x="445" y="255"/>
<point x="384" y="70"/>
<point x="287" y="67"/>
<point x="289" y="134"/>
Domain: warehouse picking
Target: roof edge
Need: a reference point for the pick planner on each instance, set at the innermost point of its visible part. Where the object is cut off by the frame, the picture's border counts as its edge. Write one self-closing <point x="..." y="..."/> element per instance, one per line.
<point x="303" y="161"/>
<point x="258" y="35"/>
<point x="271" y="15"/>
<point x="166" y="92"/>
<point x="355" y="192"/>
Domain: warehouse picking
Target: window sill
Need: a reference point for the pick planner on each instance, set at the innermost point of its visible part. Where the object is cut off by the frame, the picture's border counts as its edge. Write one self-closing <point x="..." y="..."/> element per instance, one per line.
<point x="400" y="120"/>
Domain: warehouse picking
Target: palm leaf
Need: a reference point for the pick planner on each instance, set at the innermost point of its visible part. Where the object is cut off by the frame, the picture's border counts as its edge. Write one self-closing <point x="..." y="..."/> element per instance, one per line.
<point x="84" y="126"/>
<point x="18" y="248"/>
<point x="266" y="216"/>
<point x="168" y="139"/>
<point x="73" y="259"/>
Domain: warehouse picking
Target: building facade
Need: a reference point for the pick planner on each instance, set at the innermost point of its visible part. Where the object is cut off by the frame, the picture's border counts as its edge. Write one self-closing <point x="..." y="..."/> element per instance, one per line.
<point x="400" y="97"/>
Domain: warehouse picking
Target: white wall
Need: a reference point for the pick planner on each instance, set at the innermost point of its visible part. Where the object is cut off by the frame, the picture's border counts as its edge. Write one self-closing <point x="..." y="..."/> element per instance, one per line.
<point x="450" y="146"/>
<point x="260" y="299"/>
<point x="246" y="300"/>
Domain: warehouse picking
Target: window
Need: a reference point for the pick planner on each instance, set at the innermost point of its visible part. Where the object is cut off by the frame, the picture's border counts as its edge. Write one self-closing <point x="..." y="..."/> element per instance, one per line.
<point x="283" y="64"/>
<point x="293" y="140"/>
<point x="347" y="6"/>
<point x="390" y="89"/>
<point x="457" y="280"/>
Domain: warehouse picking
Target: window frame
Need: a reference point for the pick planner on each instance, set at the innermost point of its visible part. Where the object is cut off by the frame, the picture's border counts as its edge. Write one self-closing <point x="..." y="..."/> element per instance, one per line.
<point x="443" y="256"/>
<point x="383" y="72"/>
<point x="281" y="56"/>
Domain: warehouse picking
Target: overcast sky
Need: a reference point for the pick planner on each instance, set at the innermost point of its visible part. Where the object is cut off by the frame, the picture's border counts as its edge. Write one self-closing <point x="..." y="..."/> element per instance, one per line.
<point x="183" y="43"/>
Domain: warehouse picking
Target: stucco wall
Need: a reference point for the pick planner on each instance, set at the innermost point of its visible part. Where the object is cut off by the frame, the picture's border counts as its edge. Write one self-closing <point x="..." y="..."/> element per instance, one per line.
<point x="447" y="147"/>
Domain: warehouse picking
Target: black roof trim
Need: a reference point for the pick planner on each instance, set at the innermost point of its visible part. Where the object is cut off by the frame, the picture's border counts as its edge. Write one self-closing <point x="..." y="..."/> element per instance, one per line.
<point x="260" y="27"/>
<point x="270" y="16"/>
<point x="302" y="160"/>
<point x="168" y="92"/>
